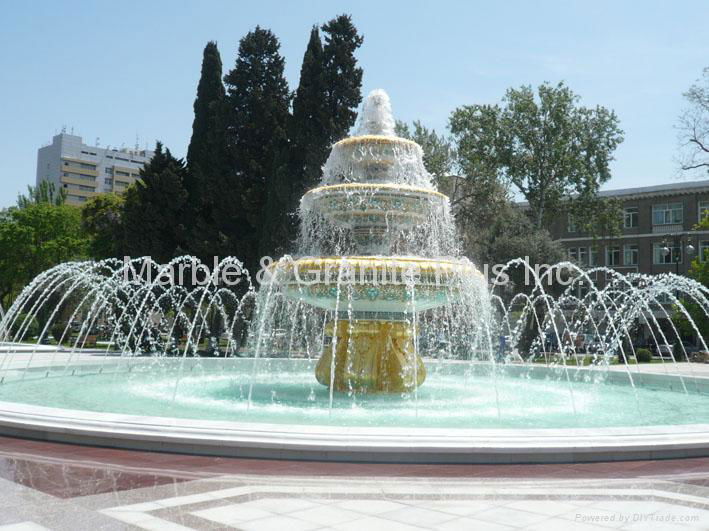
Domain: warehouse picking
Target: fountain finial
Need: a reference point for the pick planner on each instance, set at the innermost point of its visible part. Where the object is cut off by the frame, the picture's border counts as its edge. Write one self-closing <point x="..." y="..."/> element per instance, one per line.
<point x="377" y="118"/>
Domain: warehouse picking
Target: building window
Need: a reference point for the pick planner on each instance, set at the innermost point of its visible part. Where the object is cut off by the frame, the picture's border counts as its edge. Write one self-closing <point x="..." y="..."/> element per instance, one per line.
<point x="108" y="171"/>
<point x="662" y="298"/>
<point x="702" y="207"/>
<point x="583" y="255"/>
<point x="593" y="257"/>
<point x="573" y="254"/>
<point x="660" y="256"/>
<point x="667" y="214"/>
<point x="613" y="255"/>
<point x="108" y="180"/>
<point x="571" y="224"/>
<point x="630" y="217"/>
<point x="630" y="254"/>
<point x="703" y="249"/>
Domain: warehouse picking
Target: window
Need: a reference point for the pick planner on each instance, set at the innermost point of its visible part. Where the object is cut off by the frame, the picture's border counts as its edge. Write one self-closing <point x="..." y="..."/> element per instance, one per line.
<point x="660" y="256"/>
<point x="662" y="298"/>
<point x="630" y="254"/>
<point x="583" y="255"/>
<point x="122" y="173"/>
<point x="108" y="171"/>
<point x="702" y="208"/>
<point x="630" y="217"/>
<point x="613" y="255"/>
<point x="573" y="254"/>
<point x="667" y="214"/>
<point x="108" y="180"/>
<point x="571" y="224"/>
<point x="703" y="249"/>
<point x="593" y="257"/>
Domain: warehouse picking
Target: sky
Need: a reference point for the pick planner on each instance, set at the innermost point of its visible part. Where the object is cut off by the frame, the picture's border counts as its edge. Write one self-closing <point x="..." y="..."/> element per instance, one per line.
<point x="126" y="72"/>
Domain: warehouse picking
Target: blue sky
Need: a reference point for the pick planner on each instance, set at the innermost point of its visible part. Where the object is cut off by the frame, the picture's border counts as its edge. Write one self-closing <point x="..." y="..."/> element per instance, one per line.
<point x="121" y="70"/>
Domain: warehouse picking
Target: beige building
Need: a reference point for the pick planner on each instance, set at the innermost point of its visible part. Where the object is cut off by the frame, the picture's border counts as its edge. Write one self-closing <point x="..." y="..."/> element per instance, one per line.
<point x="84" y="171"/>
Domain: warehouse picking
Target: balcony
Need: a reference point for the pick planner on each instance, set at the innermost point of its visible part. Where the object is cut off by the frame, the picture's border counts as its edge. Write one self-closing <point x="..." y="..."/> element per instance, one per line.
<point x="667" y="229"/>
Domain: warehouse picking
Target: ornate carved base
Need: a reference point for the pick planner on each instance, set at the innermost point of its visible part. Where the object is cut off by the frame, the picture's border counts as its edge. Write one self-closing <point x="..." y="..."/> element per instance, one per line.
<point x="371" y="357"/>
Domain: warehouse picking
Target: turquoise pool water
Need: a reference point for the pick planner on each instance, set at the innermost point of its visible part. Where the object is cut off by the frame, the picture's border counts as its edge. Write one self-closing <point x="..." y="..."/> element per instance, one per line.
<point x="282" y="391"/>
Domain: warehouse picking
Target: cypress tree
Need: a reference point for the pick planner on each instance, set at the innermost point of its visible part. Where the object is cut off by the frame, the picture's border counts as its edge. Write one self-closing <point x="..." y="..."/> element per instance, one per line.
<point x="343" y="77"/>
<point x="207" y="159"/>
<point x="203" y="147"/>
<point x="311" y="119"/>
<point x="258" y="103"/>
<point x="154" y="209"/>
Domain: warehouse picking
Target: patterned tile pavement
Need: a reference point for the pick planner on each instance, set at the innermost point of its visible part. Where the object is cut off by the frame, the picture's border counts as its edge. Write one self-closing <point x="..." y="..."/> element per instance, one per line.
<point x="65" y="487"/>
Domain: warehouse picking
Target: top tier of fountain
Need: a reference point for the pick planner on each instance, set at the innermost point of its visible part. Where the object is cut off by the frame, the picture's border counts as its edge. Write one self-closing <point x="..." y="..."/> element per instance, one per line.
<point x="376" y="194"/>
<point x="376" y="154"/>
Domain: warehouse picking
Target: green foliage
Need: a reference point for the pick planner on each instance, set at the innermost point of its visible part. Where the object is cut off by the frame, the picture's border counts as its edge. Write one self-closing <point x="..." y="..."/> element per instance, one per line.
<point x="35" y="238"/>
<point x="492" y="229"/>
<point x="599" y="217"/>
<point x="258" y="104"/>
<point x="643" y="355"/>
<point x="57" y="330"/>
<point x="29" y="329"/>
<point x="310" y="127"/>
<point x="102" y="222"/>
<point x="44" y="192"/>
<point x="153" y="212"/>
<point x="343" y="78"/>
<point x="207" y="156"/>
<point x="547" y="147"/>
<point x="699" y="271"/>
<point x="438" y="152"/>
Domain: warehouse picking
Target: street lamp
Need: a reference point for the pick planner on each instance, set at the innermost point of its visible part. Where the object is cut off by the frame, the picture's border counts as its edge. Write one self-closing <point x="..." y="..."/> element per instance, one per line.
<point x="677" y="243"/>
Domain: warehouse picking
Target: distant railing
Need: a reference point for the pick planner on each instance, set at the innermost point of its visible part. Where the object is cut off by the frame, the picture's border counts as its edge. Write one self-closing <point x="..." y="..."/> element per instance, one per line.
<point x="667" y="229"/>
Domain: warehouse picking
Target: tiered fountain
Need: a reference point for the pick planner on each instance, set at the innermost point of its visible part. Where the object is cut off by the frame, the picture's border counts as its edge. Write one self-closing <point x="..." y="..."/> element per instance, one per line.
<point x="378" y="198"/>
<point x="377" y="290"/>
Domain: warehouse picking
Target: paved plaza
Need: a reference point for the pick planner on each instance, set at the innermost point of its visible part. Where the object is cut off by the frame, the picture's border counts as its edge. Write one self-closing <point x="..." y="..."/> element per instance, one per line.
<point x="66" y="487"/>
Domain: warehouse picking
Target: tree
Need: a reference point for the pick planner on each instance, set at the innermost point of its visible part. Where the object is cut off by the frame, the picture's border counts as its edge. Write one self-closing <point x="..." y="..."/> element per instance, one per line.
<point x="599" y="217"/>
<point x="343" y="78"/>
<point x="699" y="271"/>
<point x="694" y="128"/>
<point x="207" y="157"/>
<point x="549" y="149"/>
<point x="34" y="238"/>
<point x="153" y="212"/>
<point x="102" y="222"/>
<point x="492" y="228"/>
<point x="309" y="130"/>
<point x="44" y="192"/>
<point x="438" y="152"/>
<point x="258" y="103"/>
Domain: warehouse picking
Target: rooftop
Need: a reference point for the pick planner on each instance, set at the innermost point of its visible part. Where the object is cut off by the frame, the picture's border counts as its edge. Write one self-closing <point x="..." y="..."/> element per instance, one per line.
<point x="675" y="188"/>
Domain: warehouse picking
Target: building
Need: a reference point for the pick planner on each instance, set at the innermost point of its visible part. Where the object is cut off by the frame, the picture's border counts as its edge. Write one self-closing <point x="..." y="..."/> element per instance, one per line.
<point x="84" y="171"/>
<point x="656" y="233"/>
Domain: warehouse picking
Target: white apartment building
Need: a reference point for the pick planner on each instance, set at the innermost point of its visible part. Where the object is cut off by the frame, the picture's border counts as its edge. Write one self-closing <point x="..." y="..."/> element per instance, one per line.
<point x="84" y="171"/>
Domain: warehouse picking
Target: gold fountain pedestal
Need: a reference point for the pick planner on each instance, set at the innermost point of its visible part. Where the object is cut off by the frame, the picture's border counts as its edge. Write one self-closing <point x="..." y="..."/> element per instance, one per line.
<point x="371" y="357"/>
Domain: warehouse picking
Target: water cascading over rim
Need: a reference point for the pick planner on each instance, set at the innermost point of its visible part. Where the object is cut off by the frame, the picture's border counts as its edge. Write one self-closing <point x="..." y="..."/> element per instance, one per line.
<point x="382" y="229"/>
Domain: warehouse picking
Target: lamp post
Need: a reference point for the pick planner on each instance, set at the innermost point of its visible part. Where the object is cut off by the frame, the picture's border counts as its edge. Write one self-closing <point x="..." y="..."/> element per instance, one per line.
<point x="677" y="242"/>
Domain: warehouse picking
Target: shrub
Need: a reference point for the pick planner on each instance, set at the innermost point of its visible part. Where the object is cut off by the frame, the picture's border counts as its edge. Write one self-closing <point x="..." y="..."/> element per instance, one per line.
<point x="31" y="330"/>
<point x="643" y="355"/>
<point x="57" y="331"/>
